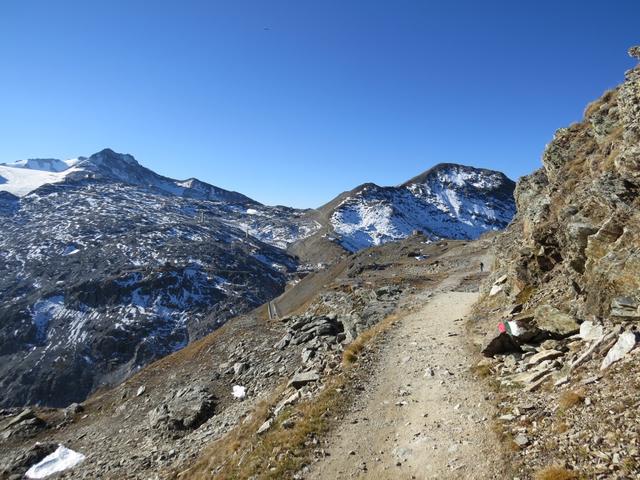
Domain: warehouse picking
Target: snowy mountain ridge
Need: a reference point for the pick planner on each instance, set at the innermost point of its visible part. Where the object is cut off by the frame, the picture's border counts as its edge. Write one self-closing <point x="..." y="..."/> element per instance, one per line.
<point x="446" y="201"/>
<point x="106" y="164"/>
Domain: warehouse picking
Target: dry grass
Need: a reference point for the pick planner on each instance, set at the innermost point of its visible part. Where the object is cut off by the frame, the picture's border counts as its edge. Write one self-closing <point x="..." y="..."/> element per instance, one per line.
<point x="560" y="427"/>
<point x="569" y="399"/>
<point x="504" y="436"/>
<point x="525" y="294"/>
<point x="555" y="473"/>
<point x="594" y="106"/>
<point x="355" y="348"/>
<point x="482" y="370"/>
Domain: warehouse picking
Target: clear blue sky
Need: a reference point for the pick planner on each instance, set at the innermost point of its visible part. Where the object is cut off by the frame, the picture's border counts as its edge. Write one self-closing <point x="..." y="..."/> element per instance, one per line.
<point x="292" y="102"/>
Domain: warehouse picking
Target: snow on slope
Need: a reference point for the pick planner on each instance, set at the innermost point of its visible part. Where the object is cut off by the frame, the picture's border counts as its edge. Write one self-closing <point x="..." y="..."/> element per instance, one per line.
<point x="448" y="201"/>
<point x="21" y="181"/>
<point x="277" y="226"/>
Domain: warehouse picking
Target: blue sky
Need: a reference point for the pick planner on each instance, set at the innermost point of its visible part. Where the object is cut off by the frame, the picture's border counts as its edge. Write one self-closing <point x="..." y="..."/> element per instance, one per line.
<point x="292" y="102"/>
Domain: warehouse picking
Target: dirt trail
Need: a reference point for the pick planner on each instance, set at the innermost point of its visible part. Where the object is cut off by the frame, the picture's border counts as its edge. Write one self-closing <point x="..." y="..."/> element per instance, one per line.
<point x="423" y="415"/>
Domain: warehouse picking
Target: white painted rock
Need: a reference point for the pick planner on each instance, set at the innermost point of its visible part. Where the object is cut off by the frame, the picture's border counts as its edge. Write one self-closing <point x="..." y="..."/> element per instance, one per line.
<point x="238" y="391"/>
<point x="495" y="290"/>
<point x="589" y="331"/>
<point x="626" y="342"/>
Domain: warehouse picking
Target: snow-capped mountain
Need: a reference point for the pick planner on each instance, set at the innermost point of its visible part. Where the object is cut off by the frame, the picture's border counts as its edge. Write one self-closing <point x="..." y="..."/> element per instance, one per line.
<point x="106" y="266"/>
<point x="446" y="201"/>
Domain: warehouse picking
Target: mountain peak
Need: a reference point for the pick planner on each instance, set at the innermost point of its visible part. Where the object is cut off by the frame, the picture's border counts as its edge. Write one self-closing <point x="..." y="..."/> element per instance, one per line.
<point x="446" y="201"/>
<point x="460" y="175"/>
<point x="108" y="156"/>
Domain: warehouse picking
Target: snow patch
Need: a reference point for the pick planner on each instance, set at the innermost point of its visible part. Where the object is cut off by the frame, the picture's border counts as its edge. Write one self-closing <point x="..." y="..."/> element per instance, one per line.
<point x="60" y="460"/>
<point x="22" y="181"/>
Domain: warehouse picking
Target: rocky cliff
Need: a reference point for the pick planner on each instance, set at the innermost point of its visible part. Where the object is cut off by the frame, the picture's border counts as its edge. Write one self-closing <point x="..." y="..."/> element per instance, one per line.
<point x="567" y="292"/>
<point x="578" y="220"/>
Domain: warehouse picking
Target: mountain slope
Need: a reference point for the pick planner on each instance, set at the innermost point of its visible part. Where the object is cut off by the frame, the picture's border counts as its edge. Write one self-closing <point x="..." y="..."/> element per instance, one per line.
<point x="446" y="201"/>
<point x="112" y="266"/>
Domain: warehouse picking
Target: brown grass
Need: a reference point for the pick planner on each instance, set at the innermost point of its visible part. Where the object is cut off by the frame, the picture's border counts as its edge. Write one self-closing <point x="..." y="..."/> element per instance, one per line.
<point x="569" y="399"/>
<point x="504" y="436"/>
<point x="482" y="370"/>
<point x="277" y="453"/>
<point x="525" y="294"/>
<point x="555" y="473"/>
<point x="607" y="97"/>
<point x="355" y="348"/>
<point x="560" y="427"/>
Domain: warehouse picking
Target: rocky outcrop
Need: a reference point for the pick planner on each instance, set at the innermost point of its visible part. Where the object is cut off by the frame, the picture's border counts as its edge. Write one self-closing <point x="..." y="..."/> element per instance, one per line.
<point x="573" y="243"/>
<point x="570" y="268"/>
<point x="188" y="408"/>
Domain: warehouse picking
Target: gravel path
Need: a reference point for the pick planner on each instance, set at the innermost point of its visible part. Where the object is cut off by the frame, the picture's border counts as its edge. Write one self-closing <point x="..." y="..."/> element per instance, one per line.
<point x="423" y="415"/>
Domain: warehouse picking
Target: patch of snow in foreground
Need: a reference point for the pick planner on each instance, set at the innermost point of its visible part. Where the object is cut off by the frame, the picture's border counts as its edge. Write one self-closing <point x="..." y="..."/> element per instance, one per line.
<point x="239" y="391"/>
<point x="60" y="460"/>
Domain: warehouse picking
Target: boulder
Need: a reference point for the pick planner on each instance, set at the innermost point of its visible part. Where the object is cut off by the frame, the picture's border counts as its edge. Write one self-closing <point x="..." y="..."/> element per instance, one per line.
<point x="186" y="409"/>
<point x="544" y="355"/>
<point x="73" y="409"/>
<point x="25" y="424"/>
<point x="530" y="377"/>
<point x="290" y="400"/>
<point x="284" y="341"/>
<point x="556" y="323"/>
<point x="497" y="341"/>
<point x="626" y="342"/>
<point x="265" y="426"/>
<point x="589" y="331"/>
<point x="521" y="440"/>
<point x="16" y="466"/>
<point x="299" y="380"/>
<point x="239" y="368"/>
<point x="625" y="307"/>
<point x="495" y="289"/>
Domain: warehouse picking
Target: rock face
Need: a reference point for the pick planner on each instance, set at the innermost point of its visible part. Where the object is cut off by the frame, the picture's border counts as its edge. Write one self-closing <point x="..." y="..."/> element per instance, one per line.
<point x="113" y="266"/>
<point x="446" y="201"/>
<point x="574" y="242"/>
<point x="571" y="264"/>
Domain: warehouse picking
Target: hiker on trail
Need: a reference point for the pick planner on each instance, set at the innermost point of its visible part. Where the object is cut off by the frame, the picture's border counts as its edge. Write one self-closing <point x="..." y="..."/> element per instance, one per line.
<point x="481" y="267"/>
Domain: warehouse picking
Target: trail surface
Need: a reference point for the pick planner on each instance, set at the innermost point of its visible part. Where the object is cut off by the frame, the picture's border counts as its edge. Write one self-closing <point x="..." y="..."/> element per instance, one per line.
<point x="423" y="415"/>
